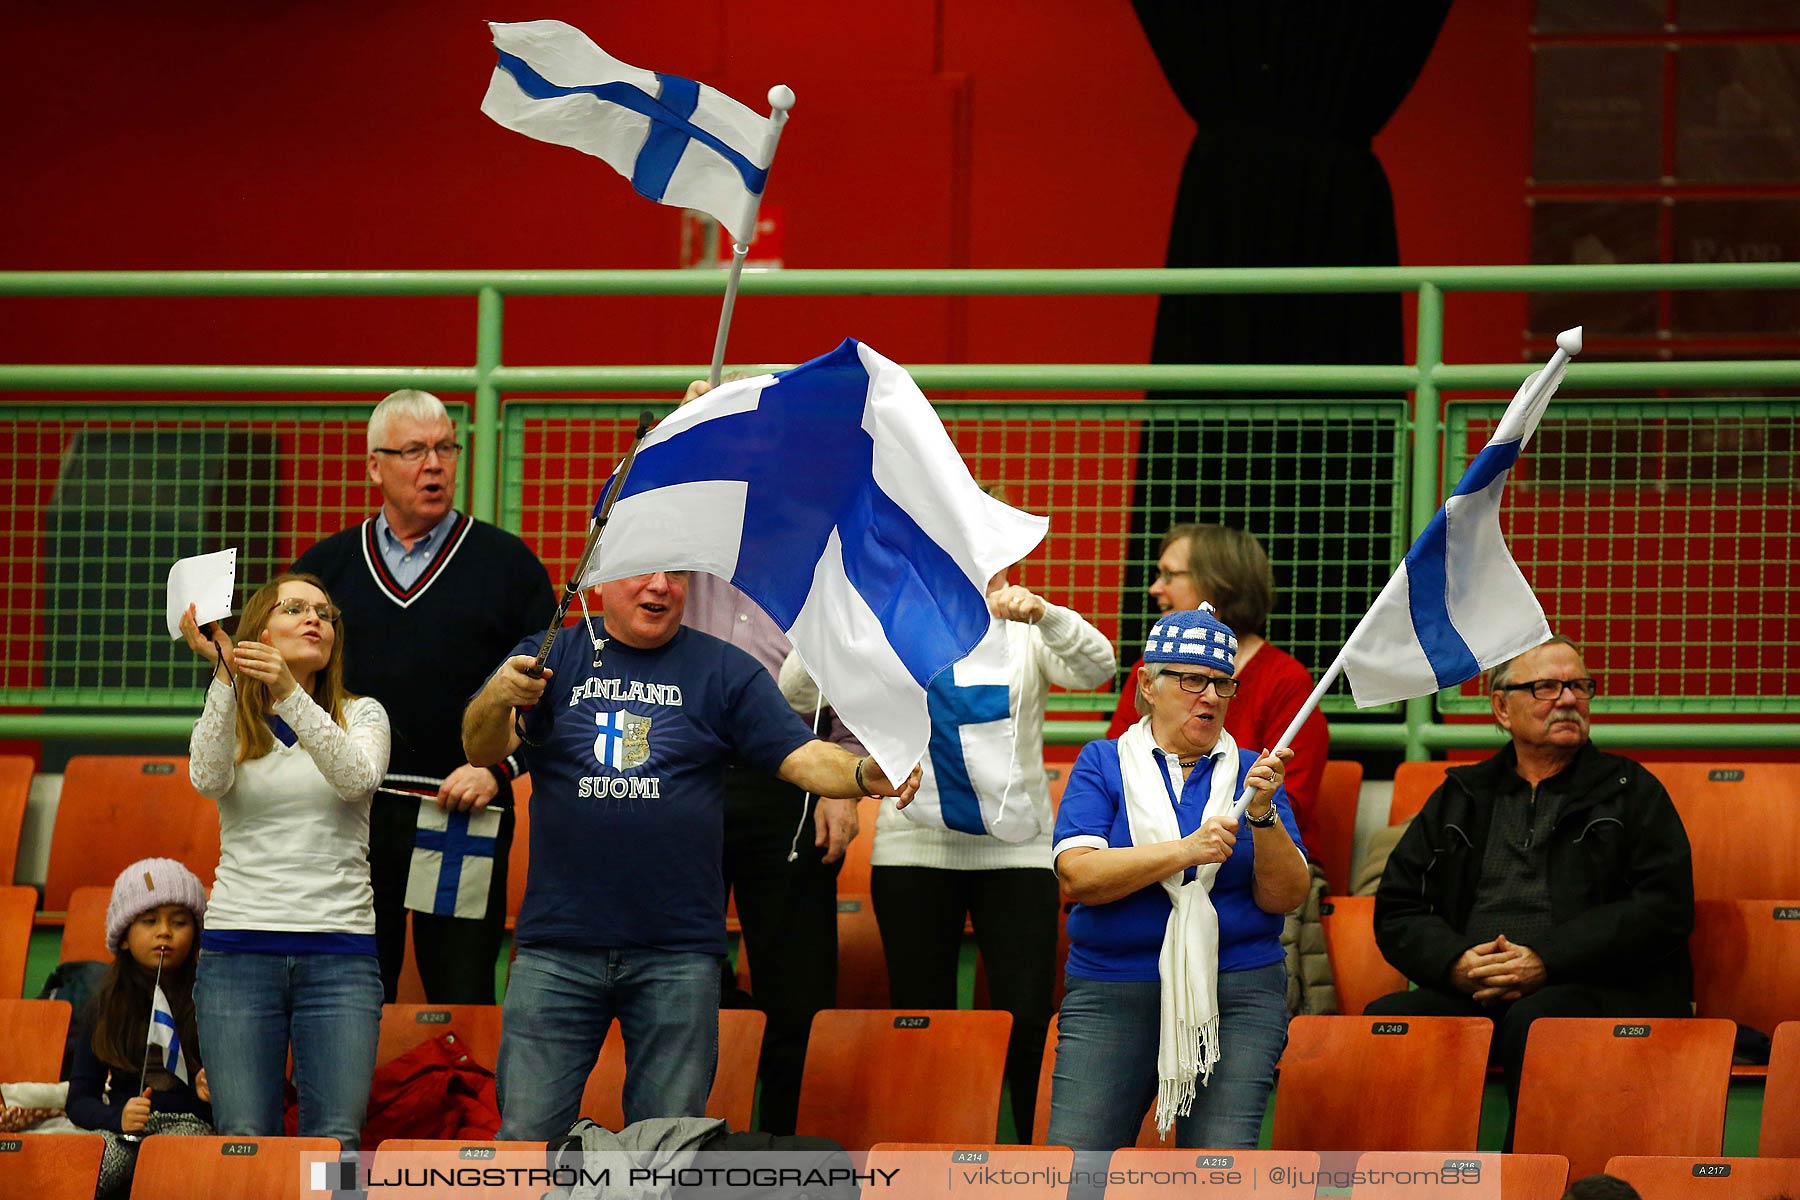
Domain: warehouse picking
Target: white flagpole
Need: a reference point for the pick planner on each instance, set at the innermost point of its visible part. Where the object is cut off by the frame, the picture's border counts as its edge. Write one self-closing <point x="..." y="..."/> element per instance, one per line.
<point x="781" y="99"/>
<point x="1568" y="343"/>
<point x="144" y="1071"/>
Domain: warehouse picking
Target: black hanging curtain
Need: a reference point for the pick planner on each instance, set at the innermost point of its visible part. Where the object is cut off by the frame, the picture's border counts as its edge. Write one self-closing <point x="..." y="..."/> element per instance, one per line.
<point x="1287" y="96"/>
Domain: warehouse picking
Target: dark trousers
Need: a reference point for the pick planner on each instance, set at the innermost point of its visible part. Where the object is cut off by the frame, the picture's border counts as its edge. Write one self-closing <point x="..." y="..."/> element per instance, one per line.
<point x="921" y="911"/>
<point x="1512" y="1022"/>
<point x="788" y="912"/>
<point x="456" y="955"/>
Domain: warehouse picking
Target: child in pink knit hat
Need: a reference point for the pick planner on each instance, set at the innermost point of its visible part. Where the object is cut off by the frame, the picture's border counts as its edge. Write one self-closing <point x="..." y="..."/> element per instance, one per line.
<point x="119" y="1086"/>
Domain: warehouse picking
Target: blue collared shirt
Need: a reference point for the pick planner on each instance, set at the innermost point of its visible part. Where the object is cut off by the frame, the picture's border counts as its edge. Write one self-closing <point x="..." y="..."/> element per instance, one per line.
<point x="407" y="565"/>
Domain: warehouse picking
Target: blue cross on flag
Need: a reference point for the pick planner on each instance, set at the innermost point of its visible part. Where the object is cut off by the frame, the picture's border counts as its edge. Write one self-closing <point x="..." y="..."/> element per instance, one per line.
<point x="832" y="496"/>
<point x="972" y="782"/>
<point x="678" y="141"/>
<point x="452" y="861"/>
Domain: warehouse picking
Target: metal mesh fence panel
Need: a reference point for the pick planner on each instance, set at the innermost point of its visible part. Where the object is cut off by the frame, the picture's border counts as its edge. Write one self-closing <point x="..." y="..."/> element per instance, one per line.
<point x="1320" y="482"/>
<point x="1660" y="536"/>
<point x="102" y="499"/>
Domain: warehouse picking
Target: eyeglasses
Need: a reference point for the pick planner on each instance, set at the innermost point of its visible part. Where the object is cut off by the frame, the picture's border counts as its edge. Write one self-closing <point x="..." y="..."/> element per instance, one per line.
<point x="1193" y="681"/>
<point x="294" y="608"/>
<point x="416" y="452"/>
<point x="1165" y="577"/>
<point x="1552" y="689"/>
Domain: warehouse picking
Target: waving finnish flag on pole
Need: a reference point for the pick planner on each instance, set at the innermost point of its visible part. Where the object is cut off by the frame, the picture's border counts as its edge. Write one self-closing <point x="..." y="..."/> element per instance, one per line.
<point x="1458" y="605"/>
<point x="831" y="496"/>
<point x="164" y="1035"/>
<point x="678" y="141"/>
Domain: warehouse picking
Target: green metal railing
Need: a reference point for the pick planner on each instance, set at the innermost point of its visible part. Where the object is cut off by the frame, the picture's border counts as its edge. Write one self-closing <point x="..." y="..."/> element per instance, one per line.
<point x="514" y="475"/>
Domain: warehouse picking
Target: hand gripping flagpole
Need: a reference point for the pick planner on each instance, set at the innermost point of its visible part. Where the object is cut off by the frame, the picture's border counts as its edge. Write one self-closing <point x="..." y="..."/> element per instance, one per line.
<point x="781" y="99"/>
<point x="536" y="670"/>
<point x="1568" y="344"/>
<point x="144" y="1071"/>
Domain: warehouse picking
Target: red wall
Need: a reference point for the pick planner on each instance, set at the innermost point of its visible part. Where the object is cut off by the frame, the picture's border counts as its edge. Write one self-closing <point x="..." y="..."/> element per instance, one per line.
<point x="985" y="133"/>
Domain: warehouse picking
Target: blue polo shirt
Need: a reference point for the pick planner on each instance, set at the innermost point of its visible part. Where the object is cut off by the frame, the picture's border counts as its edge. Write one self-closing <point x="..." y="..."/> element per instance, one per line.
<point x="1120" y="942"/>
<point x="627" y="801"/>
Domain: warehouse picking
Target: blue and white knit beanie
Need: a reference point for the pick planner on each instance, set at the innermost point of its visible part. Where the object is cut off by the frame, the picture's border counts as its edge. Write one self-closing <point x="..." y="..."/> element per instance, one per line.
<point x="1193" y="637"/>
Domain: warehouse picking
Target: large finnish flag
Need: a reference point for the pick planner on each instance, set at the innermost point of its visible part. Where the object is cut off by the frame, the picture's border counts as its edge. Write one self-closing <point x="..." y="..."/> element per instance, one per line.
<point x="1458" y="605"/>
<point x="678" y="141"/>
<point x="831" y="495"/>
<point x="164" y="1035"/>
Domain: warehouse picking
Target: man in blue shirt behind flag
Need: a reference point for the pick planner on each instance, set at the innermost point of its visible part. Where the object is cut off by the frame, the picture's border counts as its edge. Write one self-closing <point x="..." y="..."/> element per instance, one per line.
<point x="624" y="910"/>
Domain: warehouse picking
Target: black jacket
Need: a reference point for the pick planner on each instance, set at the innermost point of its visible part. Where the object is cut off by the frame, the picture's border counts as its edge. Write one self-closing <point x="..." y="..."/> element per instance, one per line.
<point x="1621" y="878"/>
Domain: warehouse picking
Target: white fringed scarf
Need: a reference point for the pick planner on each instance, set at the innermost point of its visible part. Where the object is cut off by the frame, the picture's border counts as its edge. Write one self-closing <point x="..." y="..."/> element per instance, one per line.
<point x="1188" y="1044"/>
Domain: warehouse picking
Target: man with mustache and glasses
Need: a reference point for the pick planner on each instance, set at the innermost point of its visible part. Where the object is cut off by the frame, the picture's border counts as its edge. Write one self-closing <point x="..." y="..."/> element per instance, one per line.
<point x="1552" y="880"/>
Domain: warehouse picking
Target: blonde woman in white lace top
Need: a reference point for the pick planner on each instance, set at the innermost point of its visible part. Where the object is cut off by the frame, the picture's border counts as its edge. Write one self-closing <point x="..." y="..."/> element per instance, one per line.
<point x="288" y="953"/>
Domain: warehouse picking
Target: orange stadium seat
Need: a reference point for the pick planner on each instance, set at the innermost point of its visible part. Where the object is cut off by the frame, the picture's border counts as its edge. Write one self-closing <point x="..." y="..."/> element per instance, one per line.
<point x="1743" y="822"/>
<point x="882" y="1074"/>
<point x="1413" y="784"/>
<point x="734" y="1082"/>
<point x="960" y="1170"/>
<point x="403" y="1158"/>
<point x="1781" y="1095"/>
<point x="32" y="1034"/>
<point x="50" y="1166"/>
<point x="116" y="809"/>
<point x="84" y="929"/>
<point x="15" y="789"/>
<point x="476" y="1026"/>
<point x="1747" y="961"/>
<point x="1358" y="971"/>
<point x="1156" y="1174"/>
<point x="1368" y="1083"/>
<point x="1407" y="1175"/>
<point x="248" y="1168"/>
<point x="1334" y="822"/>
<point x="1593" y="1087"/>
<point x="16" y="906"/>
<point x="1726" y="1178"/>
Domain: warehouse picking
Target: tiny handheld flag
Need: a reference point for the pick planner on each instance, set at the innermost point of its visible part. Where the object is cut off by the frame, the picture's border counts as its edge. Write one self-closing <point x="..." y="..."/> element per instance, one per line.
<point x="164" y="1034"/>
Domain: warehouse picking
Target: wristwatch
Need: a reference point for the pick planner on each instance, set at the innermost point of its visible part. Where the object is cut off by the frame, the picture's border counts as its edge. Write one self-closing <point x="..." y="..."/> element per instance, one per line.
<point x="1266" y="821"/>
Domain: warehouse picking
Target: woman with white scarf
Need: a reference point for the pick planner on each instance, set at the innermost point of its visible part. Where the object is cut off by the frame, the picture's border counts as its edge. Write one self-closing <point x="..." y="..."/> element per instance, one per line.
<point x="1176" y="976"/>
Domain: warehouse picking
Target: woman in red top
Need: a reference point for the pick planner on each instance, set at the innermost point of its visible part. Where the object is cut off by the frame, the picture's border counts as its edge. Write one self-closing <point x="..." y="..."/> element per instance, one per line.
<point x="1229" y="569"/>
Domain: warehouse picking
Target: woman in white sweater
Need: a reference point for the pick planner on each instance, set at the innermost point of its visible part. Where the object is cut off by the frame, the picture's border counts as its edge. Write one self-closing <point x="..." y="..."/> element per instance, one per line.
<point x="288" y="953"/>
<point x="975" y="843"/>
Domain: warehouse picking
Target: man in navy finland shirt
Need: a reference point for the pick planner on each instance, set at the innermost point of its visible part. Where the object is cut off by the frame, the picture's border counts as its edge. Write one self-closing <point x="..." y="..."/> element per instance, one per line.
<point x="624" y="910"/>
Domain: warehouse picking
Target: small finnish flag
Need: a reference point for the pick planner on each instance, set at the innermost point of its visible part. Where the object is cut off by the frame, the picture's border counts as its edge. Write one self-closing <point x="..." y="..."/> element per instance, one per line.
<point x="452" y="869"/>
<point x="164" y="1034"/>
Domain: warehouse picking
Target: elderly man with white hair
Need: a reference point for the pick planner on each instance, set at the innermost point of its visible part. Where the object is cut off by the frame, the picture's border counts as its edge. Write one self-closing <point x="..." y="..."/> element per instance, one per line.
<point x="431" y="598"/>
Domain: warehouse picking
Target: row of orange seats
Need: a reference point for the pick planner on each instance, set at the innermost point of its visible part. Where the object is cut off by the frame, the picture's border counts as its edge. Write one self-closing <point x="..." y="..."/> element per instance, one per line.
<point x="59" y="1167"/>
<point x="1754" y="853"/>
<point x="53" y="1167"/>
<point x="1345" y="1083"/>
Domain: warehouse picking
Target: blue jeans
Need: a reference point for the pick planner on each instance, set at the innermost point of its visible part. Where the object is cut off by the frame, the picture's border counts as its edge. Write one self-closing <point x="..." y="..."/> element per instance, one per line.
<point x="251" y="1006"/>
<point x="1105" y="1076"/>
<point x="559" y="1003"/>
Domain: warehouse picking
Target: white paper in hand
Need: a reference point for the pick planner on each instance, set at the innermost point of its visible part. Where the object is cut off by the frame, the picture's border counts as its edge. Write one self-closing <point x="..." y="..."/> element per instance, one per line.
<point x="206" y="581"/>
